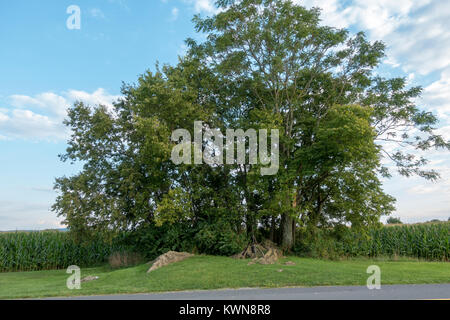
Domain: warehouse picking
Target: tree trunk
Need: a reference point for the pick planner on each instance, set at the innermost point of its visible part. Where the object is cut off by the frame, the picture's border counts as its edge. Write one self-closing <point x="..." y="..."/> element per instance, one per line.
<point x="294" y="229"/>
<point x="288" y="226"/>
<point x="294" y="223"/>
<point x="272" y="229"/>
<point x="287" y="240"/>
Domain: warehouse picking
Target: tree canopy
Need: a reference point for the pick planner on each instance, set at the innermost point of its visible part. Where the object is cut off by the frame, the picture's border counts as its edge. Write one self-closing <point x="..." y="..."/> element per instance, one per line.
<point x="265" y="64"/>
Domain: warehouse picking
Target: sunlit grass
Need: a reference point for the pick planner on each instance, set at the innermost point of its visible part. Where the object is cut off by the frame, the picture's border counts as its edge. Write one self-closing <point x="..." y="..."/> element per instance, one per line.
<point x="208" y="272"/>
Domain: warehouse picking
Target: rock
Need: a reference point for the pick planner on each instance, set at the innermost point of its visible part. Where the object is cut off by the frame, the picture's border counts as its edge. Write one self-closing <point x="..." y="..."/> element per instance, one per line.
<point x="89" y="278"/>
<point x="168" y="258"/>
<point x="280" y="270"/>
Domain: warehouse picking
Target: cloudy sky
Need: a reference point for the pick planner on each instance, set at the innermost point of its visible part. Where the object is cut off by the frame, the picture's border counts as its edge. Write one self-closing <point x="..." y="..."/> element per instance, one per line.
<point x="45" y="67"/>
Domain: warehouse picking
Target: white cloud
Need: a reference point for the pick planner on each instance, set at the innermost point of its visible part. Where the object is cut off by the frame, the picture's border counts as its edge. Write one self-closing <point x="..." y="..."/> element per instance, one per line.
<point x="27" y="124"/>
<point x="439" y="189"/>
<point x="27" y="216"/>
<point x="421" y="43"/>
<point x="415" y="31"/>
<point x="423" y="189"/>
<point x="175" y="13"/>
<point x="3" y="116"/>
<point x="203" y="6"/>
<point x="445" y="132"/>
<point x="97" y="13"/>
<point x="47" y="101"/>
<point x="99" y="96"/>
<point x="40" y="117"/>
<point x="419" y="199"/>
<point x="333" y="13"/>
<point x="436" y="96"/>
<point x="379" y="17"/>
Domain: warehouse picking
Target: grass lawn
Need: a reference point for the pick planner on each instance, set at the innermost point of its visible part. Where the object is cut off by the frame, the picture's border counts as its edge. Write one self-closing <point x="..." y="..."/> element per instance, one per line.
<point x="208" y="272"/>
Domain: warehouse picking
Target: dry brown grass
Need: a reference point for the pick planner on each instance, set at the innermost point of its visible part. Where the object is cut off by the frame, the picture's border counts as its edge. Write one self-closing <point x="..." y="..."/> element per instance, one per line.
<point x="124" y="259"/>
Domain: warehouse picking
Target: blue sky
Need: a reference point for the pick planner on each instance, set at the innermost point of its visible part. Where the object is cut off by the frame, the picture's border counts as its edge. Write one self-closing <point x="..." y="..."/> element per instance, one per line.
<point x="44" y="67"/>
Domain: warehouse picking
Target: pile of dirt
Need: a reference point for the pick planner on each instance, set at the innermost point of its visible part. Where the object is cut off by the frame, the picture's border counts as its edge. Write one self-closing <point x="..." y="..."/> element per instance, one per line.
<point x="168" y="258"/>
<point x="266" y="253"/>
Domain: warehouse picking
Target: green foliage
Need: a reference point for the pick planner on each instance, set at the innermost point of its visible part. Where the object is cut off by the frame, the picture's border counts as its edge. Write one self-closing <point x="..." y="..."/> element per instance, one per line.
<point x="267" y="64"/>
<point x="29" y="251"/>
<point x="219" y="239"/>
<point x="124" y="259"/>
<point x="152" y="241"/>
<point x="430" y="241"/>
<point x="174" y="206"/>
<point x="204" y="237"/>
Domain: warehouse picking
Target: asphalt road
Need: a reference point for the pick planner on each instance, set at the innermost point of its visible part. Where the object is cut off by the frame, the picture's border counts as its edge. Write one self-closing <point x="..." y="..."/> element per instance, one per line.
<point x="387" y="292"/>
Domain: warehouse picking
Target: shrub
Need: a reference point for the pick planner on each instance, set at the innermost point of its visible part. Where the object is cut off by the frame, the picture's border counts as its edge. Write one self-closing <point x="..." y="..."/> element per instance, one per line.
<point x="151" y="241"/>
<point x="121" y="259"/>
<point x="217" y="238"/>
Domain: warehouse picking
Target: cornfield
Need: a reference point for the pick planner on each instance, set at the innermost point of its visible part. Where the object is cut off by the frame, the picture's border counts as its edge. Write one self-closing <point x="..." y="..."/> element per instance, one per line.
<point x="33" y="251"/>
<point x="429" y="241"/>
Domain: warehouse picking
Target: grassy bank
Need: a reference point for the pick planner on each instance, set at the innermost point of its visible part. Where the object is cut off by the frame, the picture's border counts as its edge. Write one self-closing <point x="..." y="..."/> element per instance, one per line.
<point x="210" y="272"/>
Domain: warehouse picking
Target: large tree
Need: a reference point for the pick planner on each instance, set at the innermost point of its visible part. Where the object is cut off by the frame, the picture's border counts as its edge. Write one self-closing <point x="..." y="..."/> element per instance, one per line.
<point x="265" y="64"/>
<point x="296" y="70"/>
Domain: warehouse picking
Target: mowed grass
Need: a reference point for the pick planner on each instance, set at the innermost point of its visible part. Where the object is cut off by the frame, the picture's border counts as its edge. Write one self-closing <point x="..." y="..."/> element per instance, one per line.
<point x="210" y="272"/>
